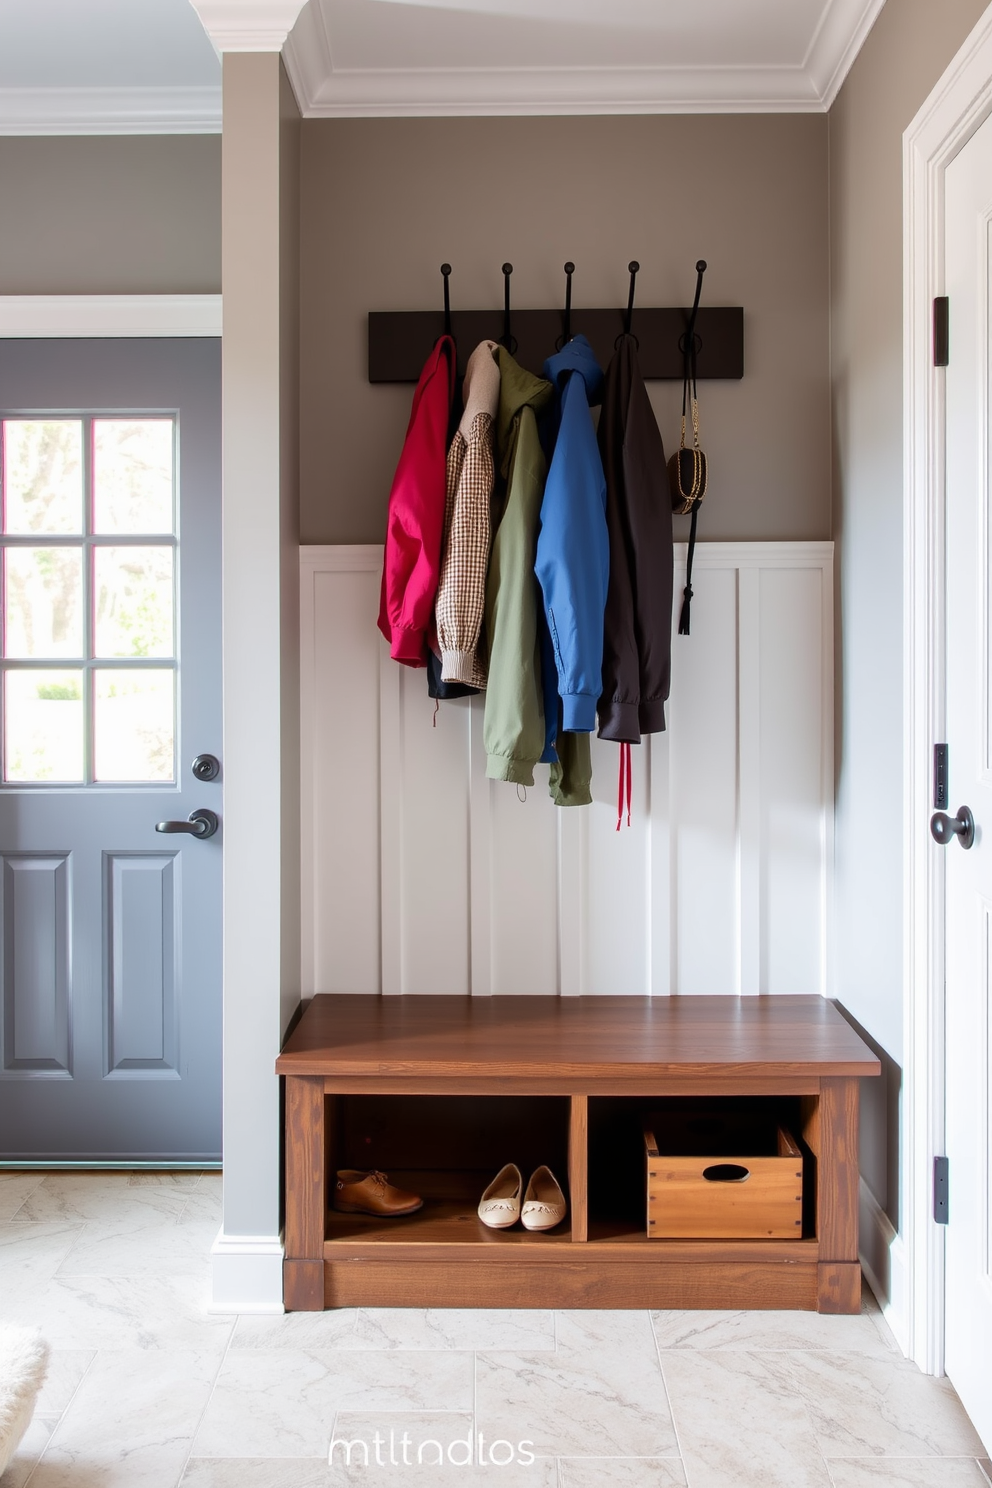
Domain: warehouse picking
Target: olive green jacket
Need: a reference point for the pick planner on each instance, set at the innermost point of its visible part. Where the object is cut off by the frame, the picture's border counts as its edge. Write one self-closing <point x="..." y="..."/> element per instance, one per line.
<point x="513" y="730"/>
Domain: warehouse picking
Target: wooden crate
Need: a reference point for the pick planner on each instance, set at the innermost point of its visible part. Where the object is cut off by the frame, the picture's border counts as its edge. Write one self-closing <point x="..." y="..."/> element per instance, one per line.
<point x="722" y="1178"/>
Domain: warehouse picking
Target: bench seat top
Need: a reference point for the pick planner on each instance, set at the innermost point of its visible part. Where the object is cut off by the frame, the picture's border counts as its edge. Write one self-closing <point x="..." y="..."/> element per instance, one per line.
<point x="586" y="1038"/>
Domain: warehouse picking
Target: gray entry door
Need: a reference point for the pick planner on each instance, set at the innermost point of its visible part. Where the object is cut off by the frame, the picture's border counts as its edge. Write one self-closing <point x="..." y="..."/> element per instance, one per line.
<point x="110" y="973"/>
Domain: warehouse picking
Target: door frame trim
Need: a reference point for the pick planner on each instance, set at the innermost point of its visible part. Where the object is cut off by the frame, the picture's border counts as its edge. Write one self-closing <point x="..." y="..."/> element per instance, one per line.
<point x="959" y="104"/>
<point x="37" y="316"/>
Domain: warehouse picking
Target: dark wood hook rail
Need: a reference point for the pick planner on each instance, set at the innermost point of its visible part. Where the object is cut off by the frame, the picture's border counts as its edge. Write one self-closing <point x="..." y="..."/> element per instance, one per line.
<point x="400" y="341"/>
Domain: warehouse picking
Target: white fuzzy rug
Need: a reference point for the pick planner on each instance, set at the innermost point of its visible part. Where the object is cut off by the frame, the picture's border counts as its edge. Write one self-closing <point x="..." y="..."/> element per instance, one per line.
<point x="23" y="1363"/>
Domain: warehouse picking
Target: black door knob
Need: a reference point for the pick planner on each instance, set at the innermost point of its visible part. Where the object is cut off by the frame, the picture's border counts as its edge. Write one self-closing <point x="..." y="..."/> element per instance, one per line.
<point x="961" y="826"/>
<point x="206" y="767"/>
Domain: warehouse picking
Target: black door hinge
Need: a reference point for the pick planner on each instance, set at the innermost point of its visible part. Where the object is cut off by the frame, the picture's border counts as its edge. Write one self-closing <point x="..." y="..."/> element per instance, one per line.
<point x="941" y="331"/>
<point x="940" y="1190"/>
<point x="940" y="796"/>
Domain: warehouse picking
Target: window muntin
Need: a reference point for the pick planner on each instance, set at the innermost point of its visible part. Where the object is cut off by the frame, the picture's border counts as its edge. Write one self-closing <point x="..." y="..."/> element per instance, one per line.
<point x="89" y="571"/>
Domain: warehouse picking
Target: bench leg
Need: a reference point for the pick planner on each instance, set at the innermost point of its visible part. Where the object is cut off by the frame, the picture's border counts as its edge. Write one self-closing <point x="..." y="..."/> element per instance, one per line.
<point x="831" y="1129"/>
<point x="838" y="1286"/>
<point x="306" y="1194"/>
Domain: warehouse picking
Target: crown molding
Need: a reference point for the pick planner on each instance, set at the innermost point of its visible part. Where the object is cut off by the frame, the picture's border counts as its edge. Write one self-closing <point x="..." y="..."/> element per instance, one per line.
<point x="326" y="91"/>
<point x="307" y="57"/>
<point x="29" y="316"/>
<point x="110" y="110"/>
<point x="840" y="36"/>
<point x="545" y="92"/>
<point x="248" y="25"/>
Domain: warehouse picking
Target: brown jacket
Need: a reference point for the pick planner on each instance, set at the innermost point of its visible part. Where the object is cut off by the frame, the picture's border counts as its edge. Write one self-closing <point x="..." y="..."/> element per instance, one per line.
<point x="637" y="648"/>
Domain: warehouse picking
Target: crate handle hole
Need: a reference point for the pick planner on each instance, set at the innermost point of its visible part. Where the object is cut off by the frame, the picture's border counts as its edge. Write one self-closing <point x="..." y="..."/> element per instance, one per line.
<point x="726" y="1173"/>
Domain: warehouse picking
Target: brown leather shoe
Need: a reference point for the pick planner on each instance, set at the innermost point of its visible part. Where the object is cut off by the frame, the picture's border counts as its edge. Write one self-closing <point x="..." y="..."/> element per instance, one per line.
<point x="356" y="1192"/>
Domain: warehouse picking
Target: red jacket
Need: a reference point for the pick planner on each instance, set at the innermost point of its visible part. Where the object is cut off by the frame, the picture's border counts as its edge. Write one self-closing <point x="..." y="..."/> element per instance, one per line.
<point x="415" y="524"/>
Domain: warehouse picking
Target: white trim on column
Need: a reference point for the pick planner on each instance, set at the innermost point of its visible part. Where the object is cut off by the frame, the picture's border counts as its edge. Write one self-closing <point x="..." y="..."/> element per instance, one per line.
<point x="248" y="25"/>
<point x="956" y="108"/>
<point x="246" y="1273"/>
<point x="32" y="316"/>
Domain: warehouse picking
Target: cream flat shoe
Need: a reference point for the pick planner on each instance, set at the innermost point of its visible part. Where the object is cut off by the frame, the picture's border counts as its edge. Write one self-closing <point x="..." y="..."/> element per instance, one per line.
<point x="544" y="1203"/>
<point x="499" y="1206"/>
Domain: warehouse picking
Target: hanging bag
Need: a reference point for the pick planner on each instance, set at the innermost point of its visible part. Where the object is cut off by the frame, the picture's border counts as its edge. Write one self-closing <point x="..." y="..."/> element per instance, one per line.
<point x="687" y="467"/>
<point x="687" y="475"/>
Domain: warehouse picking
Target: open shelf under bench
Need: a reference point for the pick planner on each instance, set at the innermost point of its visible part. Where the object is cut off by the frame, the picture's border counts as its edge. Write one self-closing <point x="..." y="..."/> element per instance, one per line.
<point x="372" y="1082"/>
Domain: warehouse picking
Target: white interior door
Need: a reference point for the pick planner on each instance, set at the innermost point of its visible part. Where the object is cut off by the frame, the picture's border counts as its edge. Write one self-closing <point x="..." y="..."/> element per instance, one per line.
<point x="110" y="972"/>
<point x="968" y="248"/>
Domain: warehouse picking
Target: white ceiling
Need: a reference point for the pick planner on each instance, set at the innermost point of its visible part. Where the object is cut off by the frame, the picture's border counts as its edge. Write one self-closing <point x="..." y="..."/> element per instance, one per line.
<point x="121" y="66"/>
<point x="101" y="43"/>
<point x="96" y="66"/>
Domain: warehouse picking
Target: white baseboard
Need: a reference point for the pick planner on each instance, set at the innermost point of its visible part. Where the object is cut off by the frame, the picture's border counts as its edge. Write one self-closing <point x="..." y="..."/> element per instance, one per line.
<point x="246" y="1272"/>
<point x="883" y="1261"/>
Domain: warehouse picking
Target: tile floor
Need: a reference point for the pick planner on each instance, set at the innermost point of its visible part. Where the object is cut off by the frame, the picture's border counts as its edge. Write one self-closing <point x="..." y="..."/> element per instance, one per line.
<point x="148" y="1390"/>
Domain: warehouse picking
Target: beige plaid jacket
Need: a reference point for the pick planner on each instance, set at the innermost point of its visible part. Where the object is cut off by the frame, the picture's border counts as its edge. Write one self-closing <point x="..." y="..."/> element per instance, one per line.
<point x="461" y="595"/>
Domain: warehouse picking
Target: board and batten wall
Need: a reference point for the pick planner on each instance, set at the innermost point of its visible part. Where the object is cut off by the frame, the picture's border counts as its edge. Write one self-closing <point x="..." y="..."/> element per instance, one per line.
<point x="420" y="875"/>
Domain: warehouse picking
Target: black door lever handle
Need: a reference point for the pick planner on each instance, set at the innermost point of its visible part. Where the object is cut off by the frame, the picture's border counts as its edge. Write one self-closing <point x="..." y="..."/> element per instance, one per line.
<point x="202" y="823"/>
<point x="962" y="826"/>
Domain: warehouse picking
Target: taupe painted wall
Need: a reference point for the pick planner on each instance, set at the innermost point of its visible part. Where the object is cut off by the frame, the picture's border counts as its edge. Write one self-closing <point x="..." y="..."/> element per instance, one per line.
<point x="386" y="201"/>
<point x="110" y="215"/>
<point x="909" y="47"/>
<point x="289" y="541"/>
<point x="261" y="638"/>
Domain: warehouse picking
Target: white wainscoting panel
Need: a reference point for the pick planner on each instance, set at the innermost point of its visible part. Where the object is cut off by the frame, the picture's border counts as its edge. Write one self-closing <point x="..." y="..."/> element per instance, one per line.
<point x="420" y="875"/>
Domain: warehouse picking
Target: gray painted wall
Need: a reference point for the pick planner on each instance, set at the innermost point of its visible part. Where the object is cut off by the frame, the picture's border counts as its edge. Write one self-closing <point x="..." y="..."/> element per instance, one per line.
<point x="110" y="215"/>
<point x="911" y="44"/>
<point x="386" y="201"/>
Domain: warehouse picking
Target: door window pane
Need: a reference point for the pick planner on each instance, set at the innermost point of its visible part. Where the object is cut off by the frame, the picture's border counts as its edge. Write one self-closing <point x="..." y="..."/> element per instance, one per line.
<point x="88" y="570"/>
<point x="43" y="602"/>
<point x="43" y="726"/>
<point x="134" y="725"/>
<point x="42" y="475"/>
<point x="132" y="475"/>
<point x="133" y="601"/>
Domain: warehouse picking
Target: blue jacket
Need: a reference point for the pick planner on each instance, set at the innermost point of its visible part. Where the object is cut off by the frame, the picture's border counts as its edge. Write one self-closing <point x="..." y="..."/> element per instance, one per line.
<point x="573" y="554"/>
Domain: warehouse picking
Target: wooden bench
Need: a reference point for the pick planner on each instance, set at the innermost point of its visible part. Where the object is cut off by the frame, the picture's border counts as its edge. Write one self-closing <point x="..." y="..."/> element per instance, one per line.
<point x="440" y="1091"/>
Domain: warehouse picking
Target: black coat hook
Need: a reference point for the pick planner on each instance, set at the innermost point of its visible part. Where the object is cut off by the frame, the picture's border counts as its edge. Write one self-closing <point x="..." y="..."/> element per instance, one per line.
<point x="633" y="268"/>
<point x="446" y="270"/>
<point x="507" y="340"/>
<point x="688" y="342"/>
<point x="567" y="331"/>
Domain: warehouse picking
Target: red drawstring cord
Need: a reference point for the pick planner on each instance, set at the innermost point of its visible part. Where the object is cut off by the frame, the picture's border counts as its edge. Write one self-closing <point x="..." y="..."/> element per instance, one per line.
<point x="624" y="784"/>
<point x="620" y="791"/>
<point x="630" y="780"/>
